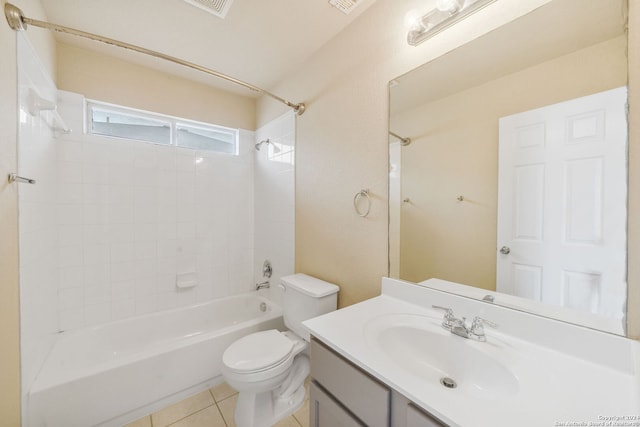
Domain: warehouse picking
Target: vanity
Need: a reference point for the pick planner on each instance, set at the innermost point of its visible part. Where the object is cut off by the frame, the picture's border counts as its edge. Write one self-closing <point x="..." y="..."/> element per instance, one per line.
<point x="341" y="394"/>
<point x="388" y="361"/>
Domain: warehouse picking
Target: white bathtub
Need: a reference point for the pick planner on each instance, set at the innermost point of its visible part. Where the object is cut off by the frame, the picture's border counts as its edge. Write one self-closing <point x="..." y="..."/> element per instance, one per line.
<point x="115" y="373"/>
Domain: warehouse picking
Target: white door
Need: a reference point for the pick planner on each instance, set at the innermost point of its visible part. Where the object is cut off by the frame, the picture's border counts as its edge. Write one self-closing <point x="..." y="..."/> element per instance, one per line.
<point x="562" y="198"/>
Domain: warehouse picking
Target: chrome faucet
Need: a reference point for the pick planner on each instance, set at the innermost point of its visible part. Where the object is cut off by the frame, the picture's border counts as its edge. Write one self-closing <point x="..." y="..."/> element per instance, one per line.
<point x="263" y="285"/>
<point x="459" y="326"/>
<point x="489" y="298"/>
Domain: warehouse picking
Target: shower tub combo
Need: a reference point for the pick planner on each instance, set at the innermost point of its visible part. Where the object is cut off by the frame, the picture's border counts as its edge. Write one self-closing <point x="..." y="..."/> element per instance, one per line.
<point x="112" y="374"/>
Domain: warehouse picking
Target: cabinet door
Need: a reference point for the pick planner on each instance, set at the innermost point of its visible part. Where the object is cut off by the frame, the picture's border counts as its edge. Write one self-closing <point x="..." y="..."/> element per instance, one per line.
<point x="418" y="418"/>
<point x="326" y="412"/>
<point x="366" y="398"/>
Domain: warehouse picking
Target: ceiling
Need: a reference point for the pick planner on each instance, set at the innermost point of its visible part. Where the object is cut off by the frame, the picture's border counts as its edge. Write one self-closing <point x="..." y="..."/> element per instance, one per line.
<point x="259" y="41"/>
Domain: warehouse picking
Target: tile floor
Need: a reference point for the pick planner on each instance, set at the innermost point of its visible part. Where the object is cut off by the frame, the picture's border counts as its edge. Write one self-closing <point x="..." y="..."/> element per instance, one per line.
<point x="212" y="408"/>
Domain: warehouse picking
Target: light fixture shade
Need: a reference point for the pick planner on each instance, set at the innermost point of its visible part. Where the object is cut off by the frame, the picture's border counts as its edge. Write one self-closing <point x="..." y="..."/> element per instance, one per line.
<point x="451" y="6"/>
<point x="447" y="13"/>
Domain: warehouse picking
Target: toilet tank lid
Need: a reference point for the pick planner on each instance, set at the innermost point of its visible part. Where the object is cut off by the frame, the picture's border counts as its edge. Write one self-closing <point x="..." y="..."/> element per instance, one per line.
<point x="310" y="285"/>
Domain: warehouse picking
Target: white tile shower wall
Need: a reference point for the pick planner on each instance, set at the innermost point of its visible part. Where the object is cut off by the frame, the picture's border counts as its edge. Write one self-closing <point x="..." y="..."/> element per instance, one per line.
<point x="395" y="194"/>
<point x="133" y="215"/>
<point x="274" y="200"/>
<point x="37" y="220"/>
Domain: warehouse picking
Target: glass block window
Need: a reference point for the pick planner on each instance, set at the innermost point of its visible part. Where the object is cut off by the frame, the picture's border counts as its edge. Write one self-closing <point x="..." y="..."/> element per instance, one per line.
<point x="122" y="122"/>
<point x="210" y="137"/>
<point x="125" y="124"/>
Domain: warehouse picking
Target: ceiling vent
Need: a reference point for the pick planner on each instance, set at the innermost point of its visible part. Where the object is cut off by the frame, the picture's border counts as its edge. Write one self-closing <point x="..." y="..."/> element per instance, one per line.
<point x="218" y="8"/>
<point x="345" y="6"/>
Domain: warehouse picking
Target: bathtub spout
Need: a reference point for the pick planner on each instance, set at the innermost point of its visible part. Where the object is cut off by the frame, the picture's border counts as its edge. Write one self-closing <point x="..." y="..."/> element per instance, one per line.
<point x="262" y="285"/>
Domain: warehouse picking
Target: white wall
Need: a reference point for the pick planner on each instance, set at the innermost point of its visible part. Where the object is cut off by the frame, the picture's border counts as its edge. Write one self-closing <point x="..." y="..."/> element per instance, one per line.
<point x="133" y="215"/>
<point x="37" y="215"/>
<point x="9" y="235"/>
<point x="274" y="200"/>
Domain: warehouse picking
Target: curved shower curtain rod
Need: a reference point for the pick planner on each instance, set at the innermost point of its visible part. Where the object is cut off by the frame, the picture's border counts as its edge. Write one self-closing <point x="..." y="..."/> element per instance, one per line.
<point x="17" y="21"/>
<point x="403" y="141"/>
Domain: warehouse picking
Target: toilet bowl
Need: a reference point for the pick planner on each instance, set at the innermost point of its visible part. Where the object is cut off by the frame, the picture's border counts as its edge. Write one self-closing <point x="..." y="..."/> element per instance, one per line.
<point x="269" y="368"/>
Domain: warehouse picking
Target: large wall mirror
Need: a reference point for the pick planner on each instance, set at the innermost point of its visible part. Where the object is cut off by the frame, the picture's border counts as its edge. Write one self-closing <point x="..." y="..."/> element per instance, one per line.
<point x="508" y="165"/>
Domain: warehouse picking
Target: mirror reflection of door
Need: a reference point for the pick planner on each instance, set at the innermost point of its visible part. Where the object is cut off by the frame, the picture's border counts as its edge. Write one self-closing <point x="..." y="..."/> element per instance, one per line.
<point x="562" y="204"/>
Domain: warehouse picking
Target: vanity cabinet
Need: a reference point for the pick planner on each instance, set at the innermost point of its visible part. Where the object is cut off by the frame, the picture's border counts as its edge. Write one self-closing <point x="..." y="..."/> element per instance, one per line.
<point x="363" y="398"/>
<point x="342" y="395"/>
<point x="325" y="411"/>
<point x="418" y="418"/>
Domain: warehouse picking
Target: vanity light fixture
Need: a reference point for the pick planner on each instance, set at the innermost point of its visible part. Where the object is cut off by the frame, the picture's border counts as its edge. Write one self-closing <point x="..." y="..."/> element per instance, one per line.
<point x="446" y="13"/>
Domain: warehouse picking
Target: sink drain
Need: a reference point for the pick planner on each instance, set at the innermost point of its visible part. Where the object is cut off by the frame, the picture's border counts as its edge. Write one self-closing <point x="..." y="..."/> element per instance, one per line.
<point x="448" y="382"/>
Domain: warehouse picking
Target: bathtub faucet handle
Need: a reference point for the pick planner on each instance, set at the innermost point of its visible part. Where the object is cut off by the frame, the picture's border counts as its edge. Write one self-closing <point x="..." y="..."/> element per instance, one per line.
<point x="263" y="285"/>
<point x="267" y="270"/>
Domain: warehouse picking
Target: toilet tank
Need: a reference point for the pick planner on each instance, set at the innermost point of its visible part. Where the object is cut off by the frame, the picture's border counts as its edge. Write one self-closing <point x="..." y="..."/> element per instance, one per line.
<point x="306" y="297"/>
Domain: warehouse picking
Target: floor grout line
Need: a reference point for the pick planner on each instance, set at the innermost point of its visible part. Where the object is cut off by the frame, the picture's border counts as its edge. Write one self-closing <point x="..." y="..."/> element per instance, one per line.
<point x="219" y="409"/>
<point x="227" y="423"/>
<point x="188" y="415"/>
<point x="224" y="420"/>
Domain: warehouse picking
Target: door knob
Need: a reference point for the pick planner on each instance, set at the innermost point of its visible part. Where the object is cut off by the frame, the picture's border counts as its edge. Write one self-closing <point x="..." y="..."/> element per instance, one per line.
<point x="505" y="250"/>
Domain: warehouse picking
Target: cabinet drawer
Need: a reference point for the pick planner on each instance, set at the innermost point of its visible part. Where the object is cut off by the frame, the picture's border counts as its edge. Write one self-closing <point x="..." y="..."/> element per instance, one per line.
<point x="326" y="412"/>
<point x="418" y="418"/>
<point x="365" y="397"/>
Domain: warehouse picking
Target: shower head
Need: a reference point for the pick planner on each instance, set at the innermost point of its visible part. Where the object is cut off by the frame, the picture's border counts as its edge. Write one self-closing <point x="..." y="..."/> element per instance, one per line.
<point x="266" y="141"/>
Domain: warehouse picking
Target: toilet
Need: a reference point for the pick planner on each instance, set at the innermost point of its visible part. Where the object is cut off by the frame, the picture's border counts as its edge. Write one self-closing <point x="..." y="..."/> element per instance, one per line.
<point x="268" y="368"/>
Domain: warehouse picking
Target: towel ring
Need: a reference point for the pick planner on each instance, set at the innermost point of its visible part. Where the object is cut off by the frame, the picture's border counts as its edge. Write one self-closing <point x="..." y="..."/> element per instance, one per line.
<point x="362" y="193"/>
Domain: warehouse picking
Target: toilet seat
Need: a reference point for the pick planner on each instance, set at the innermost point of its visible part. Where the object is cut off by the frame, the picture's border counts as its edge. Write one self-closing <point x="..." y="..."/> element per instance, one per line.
<point x="258" y="352"/>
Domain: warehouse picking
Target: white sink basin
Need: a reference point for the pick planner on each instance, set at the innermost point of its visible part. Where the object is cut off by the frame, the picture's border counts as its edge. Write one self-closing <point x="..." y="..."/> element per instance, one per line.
<point x="420" y="346"/>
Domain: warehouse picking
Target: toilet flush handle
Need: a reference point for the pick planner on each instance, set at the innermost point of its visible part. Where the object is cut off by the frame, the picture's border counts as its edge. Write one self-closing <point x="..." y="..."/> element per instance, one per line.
<point x="282" y="287"/>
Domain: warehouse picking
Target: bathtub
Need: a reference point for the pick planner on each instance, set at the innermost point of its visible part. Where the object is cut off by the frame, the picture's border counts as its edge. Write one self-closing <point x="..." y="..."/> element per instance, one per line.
<point x="115" y="373"/>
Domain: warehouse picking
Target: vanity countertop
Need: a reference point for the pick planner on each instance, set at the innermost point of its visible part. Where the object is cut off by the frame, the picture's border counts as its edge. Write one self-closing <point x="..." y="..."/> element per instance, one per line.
<point x="557" y="375"/>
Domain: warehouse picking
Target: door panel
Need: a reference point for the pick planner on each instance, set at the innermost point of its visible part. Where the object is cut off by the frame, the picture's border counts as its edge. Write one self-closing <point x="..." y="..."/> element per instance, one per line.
<point x="529" y="202"/>
<point x="562" y="204"/>
<point x="583" y="200"/>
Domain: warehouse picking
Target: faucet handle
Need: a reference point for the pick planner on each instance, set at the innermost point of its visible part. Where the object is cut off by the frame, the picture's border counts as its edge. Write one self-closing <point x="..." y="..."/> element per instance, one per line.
<point x="478" y="322"/>
<point x="449" y="319"/>
<point x="448" y="311"/>
<point x="477" y="328"/>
